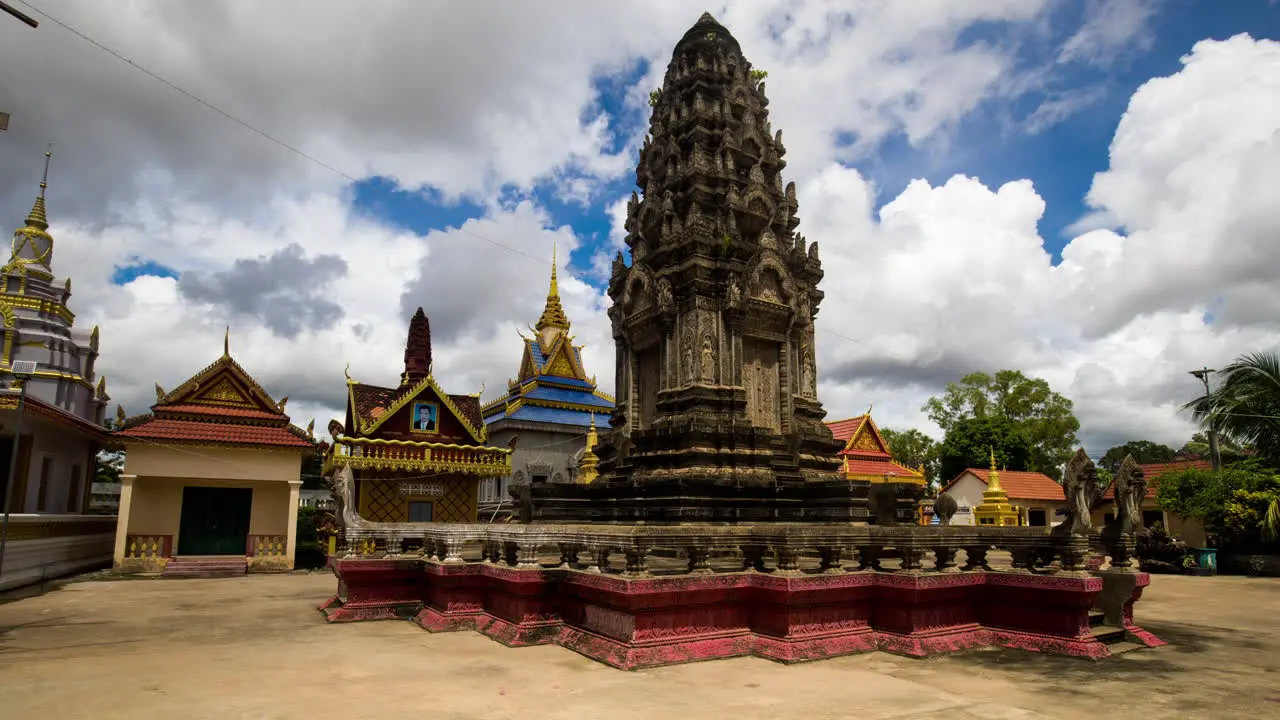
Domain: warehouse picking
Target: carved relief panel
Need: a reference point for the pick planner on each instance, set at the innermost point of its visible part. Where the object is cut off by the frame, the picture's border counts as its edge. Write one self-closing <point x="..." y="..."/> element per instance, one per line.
<point x="760" y="379"/>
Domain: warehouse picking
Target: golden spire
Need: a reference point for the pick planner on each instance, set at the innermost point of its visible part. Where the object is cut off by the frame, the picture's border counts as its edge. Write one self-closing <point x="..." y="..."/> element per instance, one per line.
<point x="553" y="314"/>
<point x="590" y="460"/>
<point x="994" y="482"/>
<point x="37" y="217"/>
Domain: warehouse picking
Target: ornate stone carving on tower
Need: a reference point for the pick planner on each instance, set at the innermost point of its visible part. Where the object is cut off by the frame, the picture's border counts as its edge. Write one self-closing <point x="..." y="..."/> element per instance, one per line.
<point x="713" y="319"/>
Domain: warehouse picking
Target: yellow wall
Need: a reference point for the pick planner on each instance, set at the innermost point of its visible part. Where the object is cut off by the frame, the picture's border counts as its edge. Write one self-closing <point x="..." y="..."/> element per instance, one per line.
<point x="157" y="505"/>
<point x="150" y="460"/>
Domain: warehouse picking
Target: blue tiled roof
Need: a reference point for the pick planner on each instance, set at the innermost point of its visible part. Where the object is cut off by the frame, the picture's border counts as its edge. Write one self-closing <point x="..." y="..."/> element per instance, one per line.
<point x="568" y="381"/>
<point x="535" y="349"/>
<point x="532" y="413"/>
<point x="581" y="397"/>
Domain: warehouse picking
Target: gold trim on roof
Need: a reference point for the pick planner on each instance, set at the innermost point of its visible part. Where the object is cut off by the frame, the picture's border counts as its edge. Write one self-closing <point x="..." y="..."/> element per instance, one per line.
<point x="479" y="435"/>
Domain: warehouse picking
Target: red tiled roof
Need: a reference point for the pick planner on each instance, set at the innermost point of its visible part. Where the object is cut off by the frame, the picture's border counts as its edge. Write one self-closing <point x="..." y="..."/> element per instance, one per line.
<point x="880" y="467"/>
<point x="1020" y="485"/>
<point x="369" y="397"/>
<point x="1153" y="471"/>
<point x="214" y="432"/>
<point x="249" y="413"/>
<point x="845" y="429"/>
<point x="470" y="408"/>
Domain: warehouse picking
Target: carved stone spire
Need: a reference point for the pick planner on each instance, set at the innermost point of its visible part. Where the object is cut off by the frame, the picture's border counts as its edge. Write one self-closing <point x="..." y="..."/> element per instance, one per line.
<point x="417" y="350"/>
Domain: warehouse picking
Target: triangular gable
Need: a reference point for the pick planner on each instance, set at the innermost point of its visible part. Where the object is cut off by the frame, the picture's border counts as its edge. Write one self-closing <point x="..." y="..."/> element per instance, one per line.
<point x="867" y="439"/>
<point x="224" y="383"/>
<point x="429" y="387"/>
<point x="562" y="361"/>
<point x="528" y="366"/>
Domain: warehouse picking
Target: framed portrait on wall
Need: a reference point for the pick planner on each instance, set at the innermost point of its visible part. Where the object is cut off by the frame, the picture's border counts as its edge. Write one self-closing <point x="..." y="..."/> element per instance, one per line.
<point x="425" y="417"/>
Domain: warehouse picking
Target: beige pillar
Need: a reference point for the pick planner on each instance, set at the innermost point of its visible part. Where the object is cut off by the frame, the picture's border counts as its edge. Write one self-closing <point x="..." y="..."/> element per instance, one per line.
<point x="122" y="518"/>
<point x="291" y="544"/>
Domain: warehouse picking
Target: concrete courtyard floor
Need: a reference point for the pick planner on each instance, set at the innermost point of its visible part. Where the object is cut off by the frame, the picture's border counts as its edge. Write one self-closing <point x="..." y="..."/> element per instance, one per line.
<point x="255" y="647"/>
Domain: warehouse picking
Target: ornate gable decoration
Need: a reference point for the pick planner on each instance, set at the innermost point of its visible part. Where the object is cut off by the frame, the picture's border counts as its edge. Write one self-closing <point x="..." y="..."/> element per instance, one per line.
<point x="478" y="434"/>
<point x="867" y="439"/>
<point x="223" y="384"/>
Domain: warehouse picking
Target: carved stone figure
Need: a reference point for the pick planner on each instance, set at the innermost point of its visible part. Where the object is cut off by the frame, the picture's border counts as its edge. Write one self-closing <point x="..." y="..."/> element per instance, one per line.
<point x="733" y="293"/>
<point x="708" y="359"/>
<point x="808" y="381"/>
<point x="666" y="301"/>
<point x="687" y="367"/>
<point x="1080" y="484"/>
<point x="1130" y="488"/>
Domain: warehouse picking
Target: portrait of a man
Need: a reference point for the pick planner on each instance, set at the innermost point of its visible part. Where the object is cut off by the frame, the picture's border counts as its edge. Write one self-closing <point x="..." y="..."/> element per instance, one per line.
<point x="425" y="417"/>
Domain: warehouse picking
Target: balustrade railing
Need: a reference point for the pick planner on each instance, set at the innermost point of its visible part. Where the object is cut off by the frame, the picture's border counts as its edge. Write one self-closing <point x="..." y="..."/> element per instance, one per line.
<point x="148" y="546"/>
<point x="778" y="548"/>
<point x="400" y="453"/>
<point x="267" y="545"/>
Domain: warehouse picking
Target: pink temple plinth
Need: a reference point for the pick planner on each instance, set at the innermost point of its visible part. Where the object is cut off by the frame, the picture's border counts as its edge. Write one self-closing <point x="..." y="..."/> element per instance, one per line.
<point x="640" y="622"/>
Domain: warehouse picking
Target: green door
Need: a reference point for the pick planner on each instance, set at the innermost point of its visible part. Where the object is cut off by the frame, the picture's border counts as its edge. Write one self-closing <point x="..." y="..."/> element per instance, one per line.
<point x="215" y="521"/>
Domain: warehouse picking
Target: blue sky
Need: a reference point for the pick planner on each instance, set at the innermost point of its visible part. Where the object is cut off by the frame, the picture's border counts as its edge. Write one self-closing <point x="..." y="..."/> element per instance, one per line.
<point x="991" y="143"/>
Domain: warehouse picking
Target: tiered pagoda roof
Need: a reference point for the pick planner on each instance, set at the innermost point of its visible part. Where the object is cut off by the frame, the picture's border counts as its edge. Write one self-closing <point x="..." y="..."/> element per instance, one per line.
<point x="866" y="455"/>
<point x="553" y="385"/>
<point x="221" y="405"/>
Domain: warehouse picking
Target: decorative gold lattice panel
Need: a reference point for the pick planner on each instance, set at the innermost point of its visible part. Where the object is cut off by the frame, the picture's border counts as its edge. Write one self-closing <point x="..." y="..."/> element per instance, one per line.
<point x="382" y="501"/>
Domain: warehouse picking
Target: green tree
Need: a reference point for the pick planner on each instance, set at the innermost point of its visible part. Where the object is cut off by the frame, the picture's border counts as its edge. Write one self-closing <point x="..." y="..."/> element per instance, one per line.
<point x="1143" y="451"/>
<point x="1043" y="416"/>
<point x="1234" y="503"/>
<point x="1198" y="446"/>
<point x="970" y="442"/>
<point x="913" y="448"/>
<point x="1245" y="409"/>
<point x="312" y="466"/>
<point x="109" y="467"/>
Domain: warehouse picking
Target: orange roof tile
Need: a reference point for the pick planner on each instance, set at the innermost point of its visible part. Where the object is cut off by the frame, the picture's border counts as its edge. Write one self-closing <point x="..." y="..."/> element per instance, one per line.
<point x="238" y="412"/>
<point x="847" y="428"/>
<point x="215" y="432"/>
<point x="879" y="467"/>
<point x="1152" y="472"/>
<point x="1019" y="485"/>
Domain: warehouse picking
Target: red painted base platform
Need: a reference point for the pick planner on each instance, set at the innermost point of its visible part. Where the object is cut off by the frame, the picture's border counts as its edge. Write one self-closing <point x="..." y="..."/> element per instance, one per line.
<point x="641" y="622"/>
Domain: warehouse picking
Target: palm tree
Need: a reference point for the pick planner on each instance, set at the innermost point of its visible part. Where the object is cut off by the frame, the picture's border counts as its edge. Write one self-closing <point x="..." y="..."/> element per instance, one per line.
<point x="1246" y="409"/>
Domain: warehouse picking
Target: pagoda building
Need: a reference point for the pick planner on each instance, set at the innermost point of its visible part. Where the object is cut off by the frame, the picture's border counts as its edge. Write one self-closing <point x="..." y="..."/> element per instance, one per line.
<point x="551" y="405"/>
<point x="211" y="478"/>
<point x="65" y="403"/>
<point x="866" y="455"/>
<point x="712" y="319"/>
<point x="416" y="452"/>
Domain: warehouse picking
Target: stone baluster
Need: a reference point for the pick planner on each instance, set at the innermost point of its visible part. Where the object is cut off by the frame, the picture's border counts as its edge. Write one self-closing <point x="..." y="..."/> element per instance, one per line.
<point x="451" y="550"/>
<point x="569" y="553"/>
<point x="912" y="558"/>
<point x="510" y="554"/>
<point x="1073" y="553"/>
<point x="1121" y="546"/>
<point x="1024" y="557"/>
<point x="975" y="557"/>
<point x="637" y="560"/>
<point x="944" y="558"/>
<point x="831" y="559"/>
<point x="869" y="557"/>
<point x="598" y="558"/>
<point x="527" y="554"/>
<point x="753" y="557"/>
<point x="788" y="558"/>
<point x="699" y="559"/>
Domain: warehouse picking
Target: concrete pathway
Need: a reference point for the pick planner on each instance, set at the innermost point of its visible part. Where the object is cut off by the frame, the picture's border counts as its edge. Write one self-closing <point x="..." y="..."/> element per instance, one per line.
<point x="255" y="647"/>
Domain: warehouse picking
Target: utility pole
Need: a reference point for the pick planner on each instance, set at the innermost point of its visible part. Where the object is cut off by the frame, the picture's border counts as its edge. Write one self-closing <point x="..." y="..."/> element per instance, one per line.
<point x="18" y="14"/>
<point x="1215" y="456"/>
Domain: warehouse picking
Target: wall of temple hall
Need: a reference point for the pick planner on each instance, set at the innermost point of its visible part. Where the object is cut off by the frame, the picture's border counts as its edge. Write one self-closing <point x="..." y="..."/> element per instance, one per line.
<point x="55" y="466"/>
<point x="156" y="506"/>
<point x="540" y="456"/>
<point x="156" y="460"/>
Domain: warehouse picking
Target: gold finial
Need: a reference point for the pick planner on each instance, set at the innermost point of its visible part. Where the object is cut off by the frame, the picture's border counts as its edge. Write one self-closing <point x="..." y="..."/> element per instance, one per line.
<point x="869" y="406"/>
<point x="347" y="372"/>
<point x="994" y="482"/>
<point x="159" y="394"/>
<point x="553" y="314"/>
<point x="120" y="416"/>
<point x="311" y="428"/>
<point x="67" y="286"/>
<point x="102" y="386"/>
<point x="37" y="218"/>
<point x="226" y="342"/>
<point x="283" y="401"/>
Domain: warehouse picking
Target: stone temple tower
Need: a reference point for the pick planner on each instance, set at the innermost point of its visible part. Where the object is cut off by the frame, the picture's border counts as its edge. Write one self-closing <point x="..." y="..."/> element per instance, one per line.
<point x="717" y="412"/>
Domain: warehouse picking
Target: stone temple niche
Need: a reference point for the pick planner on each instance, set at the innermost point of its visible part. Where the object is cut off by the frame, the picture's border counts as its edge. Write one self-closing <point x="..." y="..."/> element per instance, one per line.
<point x="717" y="415"/>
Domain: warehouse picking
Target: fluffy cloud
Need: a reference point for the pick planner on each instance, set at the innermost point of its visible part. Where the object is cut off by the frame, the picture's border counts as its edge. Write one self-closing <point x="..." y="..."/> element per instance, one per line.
<point x="475" y="101"/>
